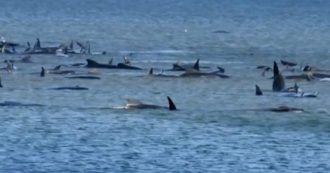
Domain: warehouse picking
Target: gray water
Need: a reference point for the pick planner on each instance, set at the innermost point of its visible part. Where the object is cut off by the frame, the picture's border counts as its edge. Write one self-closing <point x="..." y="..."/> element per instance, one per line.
<point x="77" y="131"/>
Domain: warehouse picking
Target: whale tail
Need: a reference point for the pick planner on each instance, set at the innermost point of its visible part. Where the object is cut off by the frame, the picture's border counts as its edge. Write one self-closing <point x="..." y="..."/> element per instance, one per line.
<point x="278" y="81"/>
<point x="171" y="105"/>
<point x="196" y="65"/>
<point x="258" y="91"/>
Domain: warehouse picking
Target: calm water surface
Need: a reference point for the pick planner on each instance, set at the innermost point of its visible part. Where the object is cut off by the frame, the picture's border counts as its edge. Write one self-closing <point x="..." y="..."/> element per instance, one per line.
<point x="77" y="131"/>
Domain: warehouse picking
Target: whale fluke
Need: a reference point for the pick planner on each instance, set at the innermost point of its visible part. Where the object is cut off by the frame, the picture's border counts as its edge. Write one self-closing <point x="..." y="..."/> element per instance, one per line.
<point x="171" y="105"/>
<point x="278" y="81"/>
<point x="196" y="65"/>
<point x="258" y="91"/>
<point x="43" y="72"/>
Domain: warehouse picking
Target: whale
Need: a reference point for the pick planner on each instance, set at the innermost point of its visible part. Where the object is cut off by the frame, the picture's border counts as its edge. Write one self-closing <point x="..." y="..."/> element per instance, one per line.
<point x="288" y="63"/>
<point x="195" y="73"/>
<point x="84" y="77"/>
<point x="278" y="79"/>
<point x="93" y="64"/>
<point x="137" y="104"/>
<point x="18" y="104"/>
<point x="70" y="88"/>
<point x="284" y="109"/>
<point x="55" y="71"/>
<point x="37" y="49"/>
<point x="294" y="91"/>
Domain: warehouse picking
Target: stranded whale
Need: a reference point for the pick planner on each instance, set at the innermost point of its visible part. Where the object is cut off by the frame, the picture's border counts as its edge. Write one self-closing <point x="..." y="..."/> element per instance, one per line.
<point x="93" y="64"/>
<point x="137" y="104"/>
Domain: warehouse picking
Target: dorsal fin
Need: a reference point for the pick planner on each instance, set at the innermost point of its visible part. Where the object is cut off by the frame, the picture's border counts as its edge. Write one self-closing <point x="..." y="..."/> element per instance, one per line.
<point x="258" y="91"/>
<point x="151" y="71"/>
<point x="278" y="81"/>
<point x="275" y="69"/>
<point x="171" y="105"/>
<point x="43" y="72"/>
<point x="196" y="65"/>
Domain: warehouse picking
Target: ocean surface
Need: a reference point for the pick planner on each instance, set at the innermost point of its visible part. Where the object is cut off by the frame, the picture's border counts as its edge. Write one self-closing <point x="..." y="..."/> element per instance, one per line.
<point x="214" y="129"/>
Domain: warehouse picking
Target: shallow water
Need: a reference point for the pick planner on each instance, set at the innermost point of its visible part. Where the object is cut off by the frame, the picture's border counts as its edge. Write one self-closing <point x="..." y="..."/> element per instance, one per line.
<point x="213" y="131"/>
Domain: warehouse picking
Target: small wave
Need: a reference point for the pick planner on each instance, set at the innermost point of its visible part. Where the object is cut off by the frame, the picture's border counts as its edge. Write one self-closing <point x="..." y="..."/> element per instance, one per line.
<point x="325" y="79"/>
